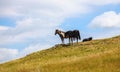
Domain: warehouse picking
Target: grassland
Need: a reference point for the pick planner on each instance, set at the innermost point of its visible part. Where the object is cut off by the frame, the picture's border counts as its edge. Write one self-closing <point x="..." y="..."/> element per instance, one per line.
<point x="93" y="56"/>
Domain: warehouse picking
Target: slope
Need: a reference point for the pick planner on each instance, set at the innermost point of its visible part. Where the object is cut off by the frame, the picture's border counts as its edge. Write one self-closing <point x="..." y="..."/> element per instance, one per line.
<point x="93" y="56"/>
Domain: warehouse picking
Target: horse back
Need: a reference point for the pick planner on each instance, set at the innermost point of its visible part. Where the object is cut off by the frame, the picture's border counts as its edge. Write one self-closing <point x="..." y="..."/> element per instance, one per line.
<point x="68" y="34"/>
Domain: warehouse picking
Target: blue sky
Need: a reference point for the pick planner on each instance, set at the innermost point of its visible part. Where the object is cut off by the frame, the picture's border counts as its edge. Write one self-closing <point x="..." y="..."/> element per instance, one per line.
<point x="29" y="26"/>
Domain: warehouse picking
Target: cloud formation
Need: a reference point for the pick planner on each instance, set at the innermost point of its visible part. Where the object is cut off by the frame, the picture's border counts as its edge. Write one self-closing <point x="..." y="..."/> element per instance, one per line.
<point x="2" y="28"/>
<point x="109" y="19"/>
<point x="7" y="54"/>
<point x="36" y="18"/>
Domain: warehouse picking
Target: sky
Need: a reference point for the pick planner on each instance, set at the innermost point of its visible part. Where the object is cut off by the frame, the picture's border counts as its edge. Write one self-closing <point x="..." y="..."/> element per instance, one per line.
<point x="27" y="26"/>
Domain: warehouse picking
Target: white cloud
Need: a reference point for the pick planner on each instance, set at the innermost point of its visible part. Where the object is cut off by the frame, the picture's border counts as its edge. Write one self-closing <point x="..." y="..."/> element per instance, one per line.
<point x="8" y="12"/>
<point x="38" y="18"/>
<point x="101" y="2"/>
<point x="7" y="54"/>
<point x="109" y="19"/>
<point x="4" y="28"/>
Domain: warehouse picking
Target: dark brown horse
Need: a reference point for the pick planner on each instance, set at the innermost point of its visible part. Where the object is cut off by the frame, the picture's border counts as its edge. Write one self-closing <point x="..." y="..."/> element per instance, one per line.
<point x="87" y="39"/>
<point x="72" y="35"/>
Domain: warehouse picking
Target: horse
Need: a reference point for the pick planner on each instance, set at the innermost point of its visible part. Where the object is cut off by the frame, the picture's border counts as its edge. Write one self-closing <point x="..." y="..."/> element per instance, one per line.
<point x="87" y="39"/>
<point x="72" y="35"/>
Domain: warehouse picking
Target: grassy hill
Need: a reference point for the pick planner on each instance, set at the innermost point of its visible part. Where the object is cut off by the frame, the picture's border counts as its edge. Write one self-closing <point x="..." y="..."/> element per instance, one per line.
<point x="93" y="56"/>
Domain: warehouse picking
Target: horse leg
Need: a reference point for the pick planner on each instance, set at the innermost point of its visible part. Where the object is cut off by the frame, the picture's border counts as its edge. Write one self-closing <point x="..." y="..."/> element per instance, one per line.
<point x="62" y="39"/>
<point x="69" y="40"/>
<point x="77" y="39"/>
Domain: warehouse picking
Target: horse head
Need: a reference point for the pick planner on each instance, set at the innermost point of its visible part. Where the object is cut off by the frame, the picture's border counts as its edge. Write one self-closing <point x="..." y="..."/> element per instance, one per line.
<point x="57" y="31"/>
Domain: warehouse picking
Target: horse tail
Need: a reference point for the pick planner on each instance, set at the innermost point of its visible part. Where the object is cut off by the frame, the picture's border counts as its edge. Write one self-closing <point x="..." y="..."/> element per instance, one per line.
<point x="79" y="37"/>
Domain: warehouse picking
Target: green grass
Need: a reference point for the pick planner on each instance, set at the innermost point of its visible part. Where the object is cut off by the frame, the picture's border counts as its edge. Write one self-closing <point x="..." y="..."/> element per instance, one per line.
<point x="93" y="56"/>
